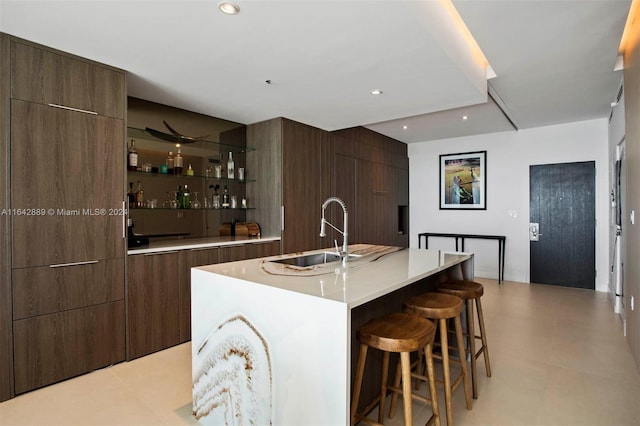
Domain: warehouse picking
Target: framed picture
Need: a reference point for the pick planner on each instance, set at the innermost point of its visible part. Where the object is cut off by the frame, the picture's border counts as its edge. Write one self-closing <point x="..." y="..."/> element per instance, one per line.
<point x="463" y="181"/>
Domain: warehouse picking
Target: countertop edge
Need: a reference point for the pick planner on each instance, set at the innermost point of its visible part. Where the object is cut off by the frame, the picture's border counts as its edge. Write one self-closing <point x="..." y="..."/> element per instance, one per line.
<point x="199" y="243"/>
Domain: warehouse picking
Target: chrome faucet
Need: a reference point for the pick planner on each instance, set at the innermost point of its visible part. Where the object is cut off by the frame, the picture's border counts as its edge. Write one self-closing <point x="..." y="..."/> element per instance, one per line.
<point x="344" y="254"/>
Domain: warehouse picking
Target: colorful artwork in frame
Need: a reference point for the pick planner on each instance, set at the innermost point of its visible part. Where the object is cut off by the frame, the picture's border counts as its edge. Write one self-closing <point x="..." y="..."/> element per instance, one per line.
<point x="463" y="181"/>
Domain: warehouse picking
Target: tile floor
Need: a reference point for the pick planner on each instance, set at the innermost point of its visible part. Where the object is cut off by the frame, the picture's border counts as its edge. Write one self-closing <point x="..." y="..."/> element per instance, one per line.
<point x="558" y="357"/>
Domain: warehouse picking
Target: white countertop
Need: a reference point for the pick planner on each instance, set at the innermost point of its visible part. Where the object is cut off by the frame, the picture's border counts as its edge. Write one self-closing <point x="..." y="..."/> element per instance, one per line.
<point x="194" y="243"/>
<point x="384" y="270"/>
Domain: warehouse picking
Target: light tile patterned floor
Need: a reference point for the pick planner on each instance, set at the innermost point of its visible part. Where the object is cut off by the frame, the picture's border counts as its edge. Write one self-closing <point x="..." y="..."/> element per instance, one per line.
<point x="557" y="354"/>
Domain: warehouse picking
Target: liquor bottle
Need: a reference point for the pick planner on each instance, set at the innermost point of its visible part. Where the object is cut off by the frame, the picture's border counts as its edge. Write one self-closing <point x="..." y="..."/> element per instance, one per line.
<point x="225" y="198"/>
<point x="189" y="171"/>
<point x="131" y="196"/>
<point x="140" y="195"/>
<point x="215" y="198"/>
<point x="132" y="158"/>
<point x="230" y="166"/>
<point x="179" y="197"/>
<point x="169" y="162"/>
<point x="186" y="198"/>
<point x="178" y="163"/>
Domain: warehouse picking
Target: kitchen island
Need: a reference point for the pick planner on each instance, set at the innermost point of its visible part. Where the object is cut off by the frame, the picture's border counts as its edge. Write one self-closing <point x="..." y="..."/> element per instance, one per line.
<point x="272" y="341"/>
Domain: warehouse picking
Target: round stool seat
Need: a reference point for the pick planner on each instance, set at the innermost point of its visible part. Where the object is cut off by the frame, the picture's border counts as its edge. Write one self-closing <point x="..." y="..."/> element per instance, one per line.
<point x="434" y="305"/>
<point x="462" y="288"/>
<point x="397" y="332"/>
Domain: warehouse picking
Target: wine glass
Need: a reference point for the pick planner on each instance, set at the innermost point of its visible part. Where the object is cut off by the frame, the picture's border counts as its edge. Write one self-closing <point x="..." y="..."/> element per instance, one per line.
<point x="170" y="202"/>
<point x="195" y="204"/>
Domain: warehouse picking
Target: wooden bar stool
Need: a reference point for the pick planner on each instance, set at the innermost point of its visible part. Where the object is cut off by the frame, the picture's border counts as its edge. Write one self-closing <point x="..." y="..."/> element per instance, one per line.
<point x="470" y="291"/>
<point x="441" y="307"/>
<point x="401" y="333"/>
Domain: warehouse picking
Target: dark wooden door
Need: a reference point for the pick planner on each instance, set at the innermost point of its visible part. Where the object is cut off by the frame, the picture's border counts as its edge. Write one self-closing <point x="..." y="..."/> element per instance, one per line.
<point x="66" y="176"/>
<point x="344" y="188"/>
<point x="153" y="303"/>
<point x="305" y="173"/>
<point x="562" y="202"/>
<point x="376" y="190"/>
<point x="44" y="76"/>
<point x="54" y="347"/>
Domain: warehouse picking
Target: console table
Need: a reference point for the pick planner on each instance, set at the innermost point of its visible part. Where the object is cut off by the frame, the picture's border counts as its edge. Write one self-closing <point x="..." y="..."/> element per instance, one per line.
<point x="461" y="237"/>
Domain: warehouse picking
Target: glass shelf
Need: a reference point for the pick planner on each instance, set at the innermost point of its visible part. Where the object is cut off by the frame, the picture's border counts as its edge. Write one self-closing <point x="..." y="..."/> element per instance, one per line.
<point x="189" y="209"/>
<point x="183" y="176"/>
<point x="202" y="148"/>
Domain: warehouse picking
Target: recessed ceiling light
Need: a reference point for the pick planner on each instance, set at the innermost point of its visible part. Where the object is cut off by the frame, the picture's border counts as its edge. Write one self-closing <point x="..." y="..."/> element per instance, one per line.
<point x="405" y="127"/>
<point x="465" y="117"/>
<point x="228" y="7"/>
<point x="376" y="92"/>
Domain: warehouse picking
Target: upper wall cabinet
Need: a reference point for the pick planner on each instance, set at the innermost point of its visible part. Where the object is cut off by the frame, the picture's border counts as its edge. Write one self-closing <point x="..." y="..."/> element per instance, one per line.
<point x="41" y="76"/>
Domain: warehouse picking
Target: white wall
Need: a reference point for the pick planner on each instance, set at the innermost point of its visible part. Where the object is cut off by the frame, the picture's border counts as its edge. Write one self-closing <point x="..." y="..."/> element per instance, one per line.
<point x="509" y="155"/>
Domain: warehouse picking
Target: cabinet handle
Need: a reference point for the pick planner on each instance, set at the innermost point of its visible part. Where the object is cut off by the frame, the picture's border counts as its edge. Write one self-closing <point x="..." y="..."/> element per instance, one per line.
<point x="282" y="218"/>
<point x="162" y="252"/>
<point x="375" y="192"/>
<point x="124" y="220"/>
<point x="62" y="265"/>
<point x="73" y="109"/>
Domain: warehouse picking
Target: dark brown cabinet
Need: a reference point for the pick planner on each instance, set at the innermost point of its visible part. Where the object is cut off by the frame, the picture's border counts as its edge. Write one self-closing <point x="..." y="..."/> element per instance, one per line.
<point x="54" y="347"/>
<point x="47" y="77"/>
<point x="292" y="161"/>
<point x="152" y="302"/>
<point x="6" y="315"/>
<point x="305" y="185"/>
<point x="233" y="253"/>
<point x="66" y="162"/>
<point x="371" y="174"/>
<point x="159" y="292"/>
<point x="44" y="290"/>
<point x="236" y="252"/>
<point x="301" y="166"/>
<point x="67" y="175"/>
<point x="263" y="249"/>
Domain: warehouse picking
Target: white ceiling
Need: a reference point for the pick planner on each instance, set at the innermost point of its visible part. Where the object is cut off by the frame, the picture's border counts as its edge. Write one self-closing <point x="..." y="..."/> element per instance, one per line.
<point x="553" y="59"/>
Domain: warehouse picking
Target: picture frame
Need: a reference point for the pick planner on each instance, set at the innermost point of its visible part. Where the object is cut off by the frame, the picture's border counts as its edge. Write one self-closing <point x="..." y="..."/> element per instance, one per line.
<point x="463" y="181"/>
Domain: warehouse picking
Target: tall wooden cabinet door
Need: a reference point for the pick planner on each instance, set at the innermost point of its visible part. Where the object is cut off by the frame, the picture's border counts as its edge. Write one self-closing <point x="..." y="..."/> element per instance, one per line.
<point x="304" y="165"/>
<point x="152" y="303"/>
<point x="190" y="259"/>
<point x="54" y="347"/>
<point x="344" y="188"/>
<point x="374" y="220"/>
<point x="6" y="336"/>
<point x="44" y="76"/>
<point x="66" y="173"/>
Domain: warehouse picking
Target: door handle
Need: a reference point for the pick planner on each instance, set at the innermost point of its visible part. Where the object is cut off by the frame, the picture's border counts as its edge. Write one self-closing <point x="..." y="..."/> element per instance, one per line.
<point x="534" y="231"/>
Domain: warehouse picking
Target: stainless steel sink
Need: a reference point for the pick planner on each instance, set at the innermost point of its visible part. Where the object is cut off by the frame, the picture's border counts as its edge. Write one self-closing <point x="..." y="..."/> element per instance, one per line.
<point x="313" y="259"/>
